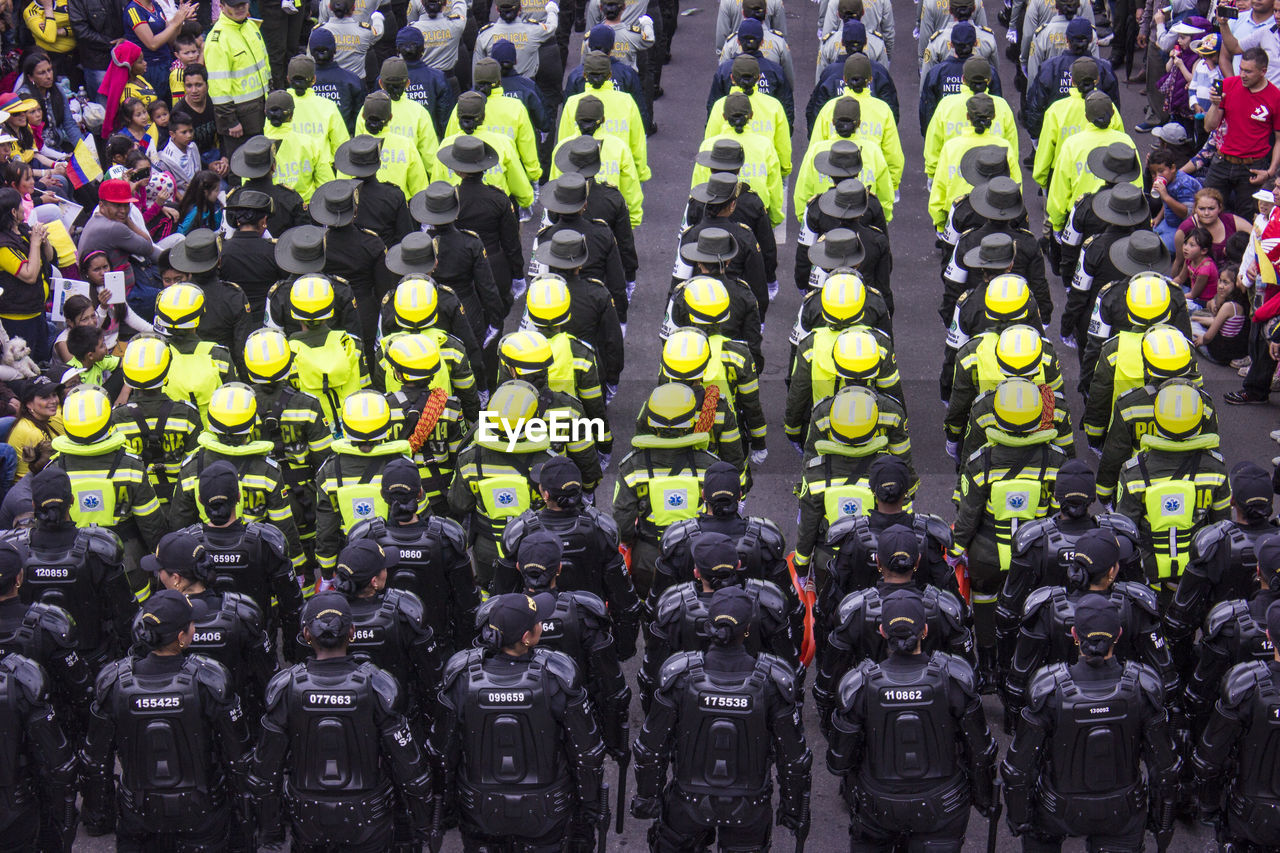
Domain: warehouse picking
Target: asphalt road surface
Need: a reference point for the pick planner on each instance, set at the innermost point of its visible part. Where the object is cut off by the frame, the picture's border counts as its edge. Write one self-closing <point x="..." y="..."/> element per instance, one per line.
<point x="919" y="345"/>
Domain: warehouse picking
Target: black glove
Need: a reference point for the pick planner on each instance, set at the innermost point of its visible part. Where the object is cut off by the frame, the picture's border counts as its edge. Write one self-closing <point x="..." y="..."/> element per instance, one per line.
<point x="645" y="808"/>
<point x="594" y="812"/>
<point x="789" y="819"/>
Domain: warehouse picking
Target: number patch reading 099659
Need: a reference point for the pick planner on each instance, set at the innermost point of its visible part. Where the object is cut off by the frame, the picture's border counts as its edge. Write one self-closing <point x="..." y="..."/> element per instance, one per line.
<point x="726" y="702"/>
<point x="331" y="699"/>
<point x="504" y="697"/>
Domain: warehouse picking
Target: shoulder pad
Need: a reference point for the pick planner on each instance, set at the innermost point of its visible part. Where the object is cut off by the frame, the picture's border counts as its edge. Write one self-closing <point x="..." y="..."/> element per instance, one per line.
<point x="1241" y="680"/>
<point x="451" y="532"/>
<point x="770" y="535"/>
<point x="106" y="678"/>
<point x="959" y="669"/>
<point x="853" y="682"/>
<point x="276" y="687"/>
<point x="55" y="621"/>
<point x="246" y="609"/>
<point x="675" y="665"/>
<point x="486" y="26"/>
<point x="103" y="543"/>
<point x="1121" y="525"/>
<point x="589" y="602"/>
<point x="1028" y="534"/>
<point x="384" y="685"/>
<point x="370" y="528"/>
<point x="1148" y="678"/>
<point x="213" y="675"/>
<point x="562" y="668"/>
<point x="605" y="522"/>
<point x="457" y="664"/>
<point x="29" y="674"/>
<point x="843" y="528"/>
<point x="1037" y="599"/>
<point x="407" y="603"/>
<point x="1222" y="614"/>
<point x="669" y="604"/>
<point x="514" y="532"/>
<point x="781" y="672"/>
<point x="1205" y="542"/>
<point x="949" y="605"/>
<point x="1043" y="685"/>
<point x="1141" y="595"/>
<point x="770" y="597"/>
<point x="936" y="529"/>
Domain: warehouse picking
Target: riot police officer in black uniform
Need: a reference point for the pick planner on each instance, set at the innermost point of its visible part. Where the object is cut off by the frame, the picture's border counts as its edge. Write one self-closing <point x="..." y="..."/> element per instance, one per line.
<point x="179" y="732"/>
<point x="1043" y="550"/>
<point x="390" y="624"/>
<point x="1224" y="563"/>
<point x="680" y="617"/>
<point x="720" y="718"/>
<point x="433" y="565"/>
<point x="899" y="795"/>
<point x="854" y="540"/>
<point x="80" y="570"/>
<point x="229" y="625"/>
<point x="37" y="764"/>
<point x="338" y="711"/>
<point x="578" y="625"/>
<point x="591" y="560"/>
<point x="761" y="546"/>
<point x="1073" y="768"/>
<point x="248" y="557"/>
<point x="516" y="737"/>
<point x="1045" y="636"/>
<point x="1235" y="632"/>
<point x="46" y="634"/>
<point x="855" y="635"/>
<point x="1237" y="753"/>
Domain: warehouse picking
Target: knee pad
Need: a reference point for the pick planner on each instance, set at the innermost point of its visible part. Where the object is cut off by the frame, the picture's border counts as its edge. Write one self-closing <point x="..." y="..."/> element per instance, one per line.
<point x="663" y="839"/>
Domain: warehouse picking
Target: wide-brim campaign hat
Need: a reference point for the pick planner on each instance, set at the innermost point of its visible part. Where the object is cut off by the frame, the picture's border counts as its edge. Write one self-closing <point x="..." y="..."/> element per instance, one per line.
<point x="566" y="194"/>
<point x="1142" y="251"/>
<point x="436" y="205"/>
<point x="724" y="155"/>
<point x="982" y="164"/>
<point x="998" y="199"/>
<point x="580" y="154"/>
<point x="197" y="253"/>
<point x="842" y="160"/>
<point x="846" y="200"/>
<point x="414" y="255"/>
<point x="253" y="158"/>
<point x="566" y="250"/>
<point x="300" y="250"/>
<point x="838" y="248"/>
<point x="713" y="246"/>
<point x="1123" y="205"/>
<point x="468" y="154"/>
<point x="359" y="157"/>
<point x="995" y="252"/>
<point x="1116" y="163"/>
<point x="334" y="203"/>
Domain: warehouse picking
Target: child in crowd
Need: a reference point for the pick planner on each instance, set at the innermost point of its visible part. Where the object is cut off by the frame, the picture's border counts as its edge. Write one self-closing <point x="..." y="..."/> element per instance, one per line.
<point x="135" y="123"/>
<point x="180" y="157"/>
<point x="1222" y="329"/>
<point x="1199" y="275"/>
<point x="201" y="204"/>
<point x="187" y="51"/>
<point x="88" y="348"/>
<point x="77" y="311"/>
<point x="158" y="112"/>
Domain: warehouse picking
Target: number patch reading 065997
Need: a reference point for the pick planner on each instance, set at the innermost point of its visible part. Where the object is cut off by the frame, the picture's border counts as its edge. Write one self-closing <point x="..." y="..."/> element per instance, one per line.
<point x="726" y="702"/>
<point x="331" y="699"/>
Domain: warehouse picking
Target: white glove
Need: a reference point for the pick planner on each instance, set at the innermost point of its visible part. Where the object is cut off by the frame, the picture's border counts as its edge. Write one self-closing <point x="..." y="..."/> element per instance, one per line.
<point x="489" y="335"/>
<point x="631" y="288"/>
<point x="1097" y="451"/>
<point x="953" y="450"/>
<point x="1069" y="342"/>
<point x="604" y="460"/>
<point x="797" y="445"/>
<point x="1011" y="35"/>
<point x="553" y="8"/>
<point x="526" y="214"/>
<point x="484" y="398"/>
<point x="758" y="456"/>
<point x="773" y="290"/>
<point x="323" y="585"/>
<point x="518" y="287"/>
<point x="609" y="392"/>
<point x="623" y="327"/>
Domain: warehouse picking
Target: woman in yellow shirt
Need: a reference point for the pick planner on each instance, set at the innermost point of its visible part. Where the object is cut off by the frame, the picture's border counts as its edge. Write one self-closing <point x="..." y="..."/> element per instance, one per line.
<point x="38" y="422"/>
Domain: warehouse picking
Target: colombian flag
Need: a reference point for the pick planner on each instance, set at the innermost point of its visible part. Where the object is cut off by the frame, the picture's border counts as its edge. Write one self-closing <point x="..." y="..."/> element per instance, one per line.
<point x="83" y="168"/>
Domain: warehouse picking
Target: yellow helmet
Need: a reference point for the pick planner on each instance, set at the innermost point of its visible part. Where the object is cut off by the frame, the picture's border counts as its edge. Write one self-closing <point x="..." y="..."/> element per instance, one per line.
<point x="855" y="414"/>
<point x="86" y="414"/>
<point x="1179" y="411"/>
<point x="1019" y="350"/>
<point x="1147" y="299"/>
<point x="686" y="354"/>
<point x="366" y="417"/>
<point x="416" y="302"/>
<point x="233" y="409"/>
<point x="180" y="306"/>
<point x="311" y="298"/>
<point x="548" y="301"/>
<point x="1165" y="353"/>
<point x="844" y="297"/>
<point x="267" y="357"/>
<point x="1018" y="406"/>
<point x="415" y="357"/>
<point x="525" y="352"/>
<point x="707" y="300"/>
<point x="514" y="402"/>
<point x="672" y="407"/>
<point x="1007" y="297"/>
<point x="146" y="362"/>
<point x="857" y="355"/>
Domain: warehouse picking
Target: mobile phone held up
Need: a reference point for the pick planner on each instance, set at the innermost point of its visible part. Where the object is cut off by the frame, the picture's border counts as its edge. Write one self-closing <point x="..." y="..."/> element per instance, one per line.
<point x="1228" y="12"/>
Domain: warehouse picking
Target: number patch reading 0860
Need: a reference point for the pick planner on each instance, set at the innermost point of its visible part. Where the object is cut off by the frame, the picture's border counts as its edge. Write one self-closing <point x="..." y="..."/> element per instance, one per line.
<point x="157" y="703"/>
<point x="726" y="702"/>
<point x="902" y="695"/>
<point x="331" y="700"/>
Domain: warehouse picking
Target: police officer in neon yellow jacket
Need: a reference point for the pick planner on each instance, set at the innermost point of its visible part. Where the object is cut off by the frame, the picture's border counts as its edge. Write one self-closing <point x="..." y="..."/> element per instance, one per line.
<point x="949" y="180"/>
<point x="603" y="160"/>
<point x="303" y="162"/>
<point x="760" y="169"/>
<point x="409" y="118"/>
<point x="402" y="165"/>
<point x="830" y="160"/>
<point x="621" y="115"/>
<point x="768" y="117"/>
<point x="1072" y="177"/>
<point x="1065" y="118"/>
<point x="877" y="126"/>
<point x="239" y="74"/>
<point x="951" y="116"/>
<point x="314" y="115"/>
<point x="504" y="116"/>
<point x="503" y="170"/>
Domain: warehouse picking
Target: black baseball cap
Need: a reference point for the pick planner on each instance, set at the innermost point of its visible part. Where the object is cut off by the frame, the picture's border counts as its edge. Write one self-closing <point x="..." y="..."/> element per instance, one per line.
<point x="165" y="614"/>
<point x="732" y="606"/>
<point x="39" y="386"/>
<point x="514" y="615"/>
<point x="722" y="482"/>
<point x="560" y="476"/>
<point x="898" y="549"/>
<point x="1076" y="482"/>
<point x="1250" y="486"/>
<point x="714" y="553"/>
<point x="219" y="482"/>
<point x="362" y="560"/>
<point x="51" y="487"/>
<point x="12" y="561"/>
<point x="180" y="554"/>
<point x="1267" y="550"/>
<point x="401" y="477"/>
<point x="1097" y="551"/>
<point x="1097" y="618"/>
<point x="540" y="551"/>
<point x="886" y="472"/>
<point x="327" y="615"/>
<point x="902" y="614"/>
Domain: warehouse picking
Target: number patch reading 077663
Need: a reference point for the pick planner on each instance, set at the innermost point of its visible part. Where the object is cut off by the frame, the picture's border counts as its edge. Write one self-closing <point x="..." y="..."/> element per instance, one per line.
<point x="331" y="699"/>
<point x="727" y="702"/>
<point x="170" y="702"/>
